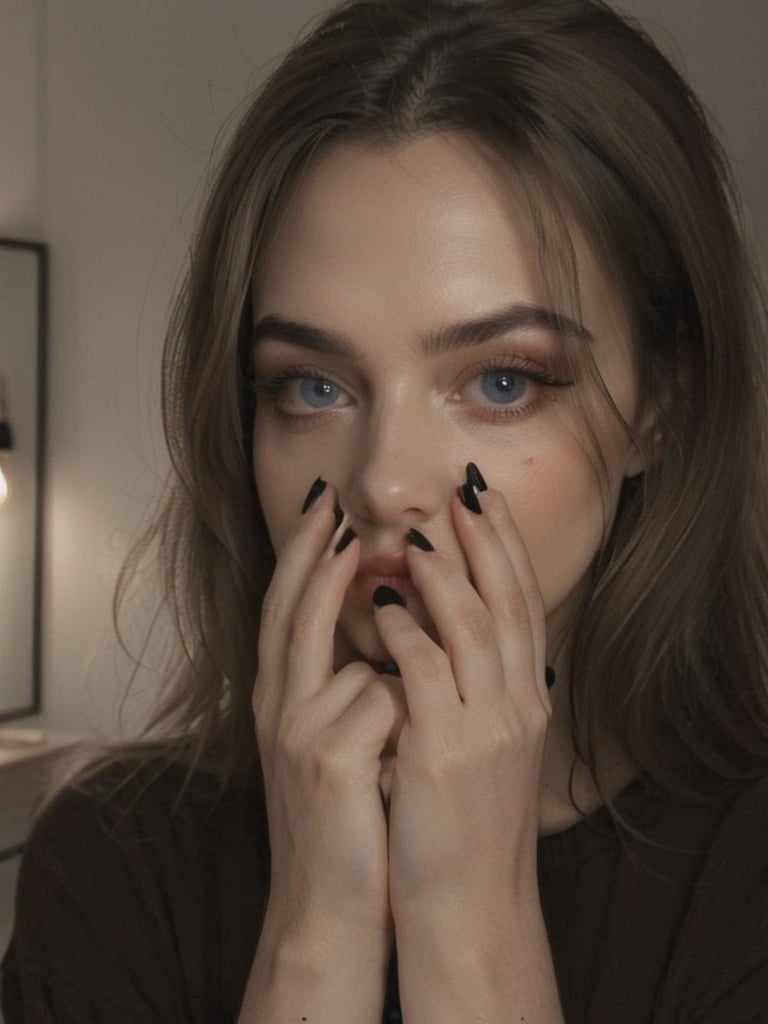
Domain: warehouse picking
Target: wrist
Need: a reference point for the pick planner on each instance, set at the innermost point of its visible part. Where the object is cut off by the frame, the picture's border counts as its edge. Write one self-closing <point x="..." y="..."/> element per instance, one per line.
<point x="319" y="970"/>
<point x="455" y="966"/>
<point x="319" y="938"/>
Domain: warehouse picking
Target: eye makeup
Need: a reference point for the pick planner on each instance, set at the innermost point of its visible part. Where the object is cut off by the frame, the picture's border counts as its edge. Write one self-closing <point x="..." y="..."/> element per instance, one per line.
<point x="505" y="385"/>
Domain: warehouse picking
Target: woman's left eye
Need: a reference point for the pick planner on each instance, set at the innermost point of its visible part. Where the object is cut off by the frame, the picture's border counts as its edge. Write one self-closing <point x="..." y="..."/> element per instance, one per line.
<point x="510" y="389"/>
<point x="499" y="387"/>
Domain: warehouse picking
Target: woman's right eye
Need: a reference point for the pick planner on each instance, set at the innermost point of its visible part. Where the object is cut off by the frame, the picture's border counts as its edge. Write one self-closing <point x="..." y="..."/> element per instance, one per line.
<point x="316" y="392"/>
<point x="304" y="394"/>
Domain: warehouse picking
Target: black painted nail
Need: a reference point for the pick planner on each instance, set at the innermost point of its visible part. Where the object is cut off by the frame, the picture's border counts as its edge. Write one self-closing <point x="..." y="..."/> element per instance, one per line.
<point x="384" y="595"/>
<point x="549" y="677"/>
<point x="418" y="540"/>
<point x="469" y="500"/>
<point x="389" y="668"/>
<point x="475" y="478"/>
<point x="313" y="494"/>
<point x="345" y="540"/>
<point x="338" y="514"/>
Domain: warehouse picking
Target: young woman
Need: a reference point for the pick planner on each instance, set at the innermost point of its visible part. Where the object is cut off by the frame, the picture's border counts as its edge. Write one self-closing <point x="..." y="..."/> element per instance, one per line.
<point x="465" y="396"/>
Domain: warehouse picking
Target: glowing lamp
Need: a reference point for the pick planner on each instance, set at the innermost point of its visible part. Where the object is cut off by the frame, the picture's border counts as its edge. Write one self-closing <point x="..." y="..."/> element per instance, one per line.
<point x="6" y="444"/>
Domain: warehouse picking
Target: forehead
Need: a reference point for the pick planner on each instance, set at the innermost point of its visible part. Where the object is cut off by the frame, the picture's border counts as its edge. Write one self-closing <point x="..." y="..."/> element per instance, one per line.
<point x="429" y="207"/>
<point x="434" y="230"/>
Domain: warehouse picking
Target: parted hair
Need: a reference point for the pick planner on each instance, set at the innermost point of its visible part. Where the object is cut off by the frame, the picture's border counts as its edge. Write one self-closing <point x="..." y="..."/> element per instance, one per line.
<point x="603" y="133"/>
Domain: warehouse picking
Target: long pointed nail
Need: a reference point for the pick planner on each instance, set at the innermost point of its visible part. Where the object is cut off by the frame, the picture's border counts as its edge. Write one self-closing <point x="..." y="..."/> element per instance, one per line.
<point x="418" y="540"/>
<point x="475" y="478"/>
<point x="384" y="595"/>
<point x="313" y="494"/>
<point x="468" y="496"/>
<point x="345" y="540"/>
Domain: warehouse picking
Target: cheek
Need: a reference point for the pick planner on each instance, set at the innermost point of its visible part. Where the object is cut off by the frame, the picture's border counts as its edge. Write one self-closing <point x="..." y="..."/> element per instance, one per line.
<point x="282" y="484"/>
<point x="558" y="506"/>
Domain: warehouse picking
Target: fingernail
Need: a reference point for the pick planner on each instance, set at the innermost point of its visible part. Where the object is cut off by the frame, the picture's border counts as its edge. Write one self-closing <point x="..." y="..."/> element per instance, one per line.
<point x="468" y="496"/>
<point x="313" y="494"/>
<point x="338" y="514"/>
<point x="549" y="677"/>
<point x="384" y="595"/>
<point x="345" y="540"/>
<point x="475" y="478"/>
<point x="418" y="540"/>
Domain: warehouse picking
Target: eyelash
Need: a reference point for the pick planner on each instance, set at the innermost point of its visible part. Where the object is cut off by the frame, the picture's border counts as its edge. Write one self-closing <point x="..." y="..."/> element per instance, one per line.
<point x="520" y="367"/>
<point x="271" y="387"/>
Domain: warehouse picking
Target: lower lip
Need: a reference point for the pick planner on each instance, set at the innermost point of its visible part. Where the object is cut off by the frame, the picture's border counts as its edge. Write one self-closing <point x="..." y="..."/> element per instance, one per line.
<point x="363" y="587"/>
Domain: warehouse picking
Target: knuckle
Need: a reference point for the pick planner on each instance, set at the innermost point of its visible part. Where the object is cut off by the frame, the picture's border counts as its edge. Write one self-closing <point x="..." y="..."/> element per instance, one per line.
<point x="534" y="602"/>
<point x="475" y="628"/>
<point x="534" y="721"/>
<point x="327" y="765"/>
<point x="425" y="662"/>
<point x="289" y="734"/>
<point x="272" y="609"/>
<point x="514" y="612"/>
<point x="301" y="625"/>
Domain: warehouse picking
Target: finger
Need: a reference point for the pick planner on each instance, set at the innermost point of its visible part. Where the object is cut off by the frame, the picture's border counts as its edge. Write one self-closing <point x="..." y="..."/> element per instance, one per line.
<point x="372" y="721"/>
<point x="294" y="566"/>
<point x="468" y="633"/>
<point x="314" y="619"/>
<point x="504" y="576"/>
<point x="353" y="720"/>
<point x="428" y="682"/>
<point x="332" y="702"/>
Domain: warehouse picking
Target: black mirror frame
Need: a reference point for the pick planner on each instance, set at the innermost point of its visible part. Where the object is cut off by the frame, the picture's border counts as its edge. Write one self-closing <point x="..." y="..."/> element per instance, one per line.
<point x="40" y="250"/>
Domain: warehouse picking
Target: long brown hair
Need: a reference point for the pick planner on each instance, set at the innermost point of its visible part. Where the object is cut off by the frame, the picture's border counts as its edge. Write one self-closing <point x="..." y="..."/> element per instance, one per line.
<point x="670" y="651"/>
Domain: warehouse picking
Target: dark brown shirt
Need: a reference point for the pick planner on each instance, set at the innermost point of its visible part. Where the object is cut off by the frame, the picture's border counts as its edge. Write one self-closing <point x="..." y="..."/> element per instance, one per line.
<point x="145" y="908"/>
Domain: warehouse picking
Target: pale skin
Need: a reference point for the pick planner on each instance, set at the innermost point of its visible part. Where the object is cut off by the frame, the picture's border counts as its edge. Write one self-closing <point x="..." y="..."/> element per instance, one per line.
<point x="409" y="808"/>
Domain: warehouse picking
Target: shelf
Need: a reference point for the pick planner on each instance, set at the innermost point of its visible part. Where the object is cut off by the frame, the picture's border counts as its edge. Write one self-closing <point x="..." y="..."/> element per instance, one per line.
<point x="27" y="769"/>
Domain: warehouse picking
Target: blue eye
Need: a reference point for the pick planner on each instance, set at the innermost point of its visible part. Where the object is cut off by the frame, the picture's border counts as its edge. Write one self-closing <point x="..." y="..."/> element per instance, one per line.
<point x="318" y="392"/>
<point x="503" y="386"/>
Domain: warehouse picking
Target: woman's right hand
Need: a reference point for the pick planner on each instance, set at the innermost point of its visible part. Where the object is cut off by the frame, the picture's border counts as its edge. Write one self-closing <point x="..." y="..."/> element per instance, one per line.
<point x="321" y="734"/>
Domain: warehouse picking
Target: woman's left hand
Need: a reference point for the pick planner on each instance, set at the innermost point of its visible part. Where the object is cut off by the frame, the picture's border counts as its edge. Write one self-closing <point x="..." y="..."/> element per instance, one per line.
<point x="464" y="807"/>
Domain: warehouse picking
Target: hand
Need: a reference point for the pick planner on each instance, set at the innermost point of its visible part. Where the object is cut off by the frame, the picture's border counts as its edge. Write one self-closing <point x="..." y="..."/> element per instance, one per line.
<point x="320" y="737"/>
<point x="464" y="809"/>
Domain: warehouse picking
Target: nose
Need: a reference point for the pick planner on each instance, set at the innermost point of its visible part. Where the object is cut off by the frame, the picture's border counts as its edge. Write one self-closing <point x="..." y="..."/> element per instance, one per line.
<point x="401" y="474"/>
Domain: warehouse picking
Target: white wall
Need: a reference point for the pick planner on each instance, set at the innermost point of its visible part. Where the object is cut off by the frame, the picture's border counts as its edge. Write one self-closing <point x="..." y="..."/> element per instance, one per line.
<point x="720" y="46"/>
<point x="21" y="184"/>
<point x="118" y="106"/>
<point x="108" y="111"/>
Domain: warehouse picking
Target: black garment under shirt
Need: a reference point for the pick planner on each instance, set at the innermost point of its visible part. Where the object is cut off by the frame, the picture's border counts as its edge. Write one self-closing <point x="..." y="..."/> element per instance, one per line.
<point x="145" y="909"/>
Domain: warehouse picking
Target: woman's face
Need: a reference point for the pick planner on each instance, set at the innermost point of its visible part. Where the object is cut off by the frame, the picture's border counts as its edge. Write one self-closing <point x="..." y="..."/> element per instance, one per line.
<point x="403" y="329"/>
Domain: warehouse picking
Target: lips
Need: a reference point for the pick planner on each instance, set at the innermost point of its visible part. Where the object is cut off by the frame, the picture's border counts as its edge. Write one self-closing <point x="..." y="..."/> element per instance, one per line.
<point x="381" y="570"/>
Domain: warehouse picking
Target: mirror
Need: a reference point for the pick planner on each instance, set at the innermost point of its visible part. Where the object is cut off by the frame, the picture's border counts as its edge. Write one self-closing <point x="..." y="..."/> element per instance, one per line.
<point x="23" y="290"/>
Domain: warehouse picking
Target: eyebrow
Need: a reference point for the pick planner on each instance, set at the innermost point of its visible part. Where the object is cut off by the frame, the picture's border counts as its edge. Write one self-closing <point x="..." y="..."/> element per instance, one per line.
<point x="463" y="334"/>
